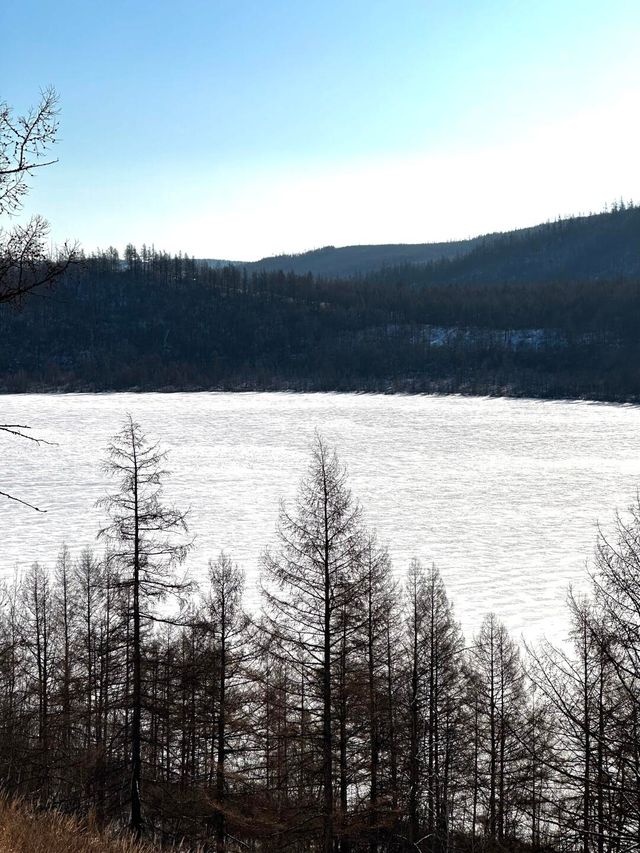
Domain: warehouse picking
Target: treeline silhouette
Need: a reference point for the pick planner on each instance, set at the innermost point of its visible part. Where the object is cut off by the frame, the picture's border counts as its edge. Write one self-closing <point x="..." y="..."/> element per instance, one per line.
<point x="344" y="712"/>
<point x="150" y="321"/>
<point x="597" y="247"/>
<point x="593" y="246"/>
<point x="348" y="261"/>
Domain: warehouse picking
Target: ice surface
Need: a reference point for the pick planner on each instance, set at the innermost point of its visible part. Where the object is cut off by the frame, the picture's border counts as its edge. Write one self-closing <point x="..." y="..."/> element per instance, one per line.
<point x="503" y="495"/>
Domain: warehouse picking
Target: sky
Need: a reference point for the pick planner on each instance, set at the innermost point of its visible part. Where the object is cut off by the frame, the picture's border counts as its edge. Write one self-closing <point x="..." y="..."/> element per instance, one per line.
<point x="238" y="129"/>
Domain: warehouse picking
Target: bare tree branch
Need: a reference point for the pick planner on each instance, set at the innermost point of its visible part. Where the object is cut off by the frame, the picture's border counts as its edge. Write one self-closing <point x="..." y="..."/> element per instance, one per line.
<point x="26" y="263"/>
<point x="20" y="501"/>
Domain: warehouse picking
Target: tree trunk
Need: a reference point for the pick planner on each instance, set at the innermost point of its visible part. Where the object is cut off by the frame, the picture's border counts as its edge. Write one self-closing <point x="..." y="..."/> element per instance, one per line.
<point x="136" y="760"/>
<point x="327" y="745"/>
<point x="220" y="784"/>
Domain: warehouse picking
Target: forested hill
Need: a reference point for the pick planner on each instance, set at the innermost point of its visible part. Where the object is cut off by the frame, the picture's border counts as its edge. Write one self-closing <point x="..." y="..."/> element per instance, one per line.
<point x="160" y="322"/>
<point x="598" y="246"/>
<point x="347" y="261"/>
<point x="587" y="248"/>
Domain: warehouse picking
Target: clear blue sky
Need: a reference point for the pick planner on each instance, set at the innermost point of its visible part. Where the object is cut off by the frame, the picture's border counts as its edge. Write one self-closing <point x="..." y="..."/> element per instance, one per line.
<point x="239" y="128"/>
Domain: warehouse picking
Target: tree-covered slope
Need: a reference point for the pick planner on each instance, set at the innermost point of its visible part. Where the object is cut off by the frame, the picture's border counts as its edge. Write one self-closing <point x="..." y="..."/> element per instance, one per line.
<point x="158" y="322"/>
<point x="602" y="245"/>
<point x="346" y="261"/>
<point x="588" y="248"/>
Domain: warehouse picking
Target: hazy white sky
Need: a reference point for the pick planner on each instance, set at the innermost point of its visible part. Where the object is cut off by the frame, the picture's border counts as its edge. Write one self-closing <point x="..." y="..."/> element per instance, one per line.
<point x="244" y="128"/>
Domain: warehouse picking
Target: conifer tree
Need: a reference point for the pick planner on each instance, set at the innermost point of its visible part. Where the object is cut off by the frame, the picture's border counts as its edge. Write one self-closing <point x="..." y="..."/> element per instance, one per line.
<point x="501" y="702"/>
<point x="310" y="582"/>
<point x="146" y="543"/>
<point x="229" y="626"/>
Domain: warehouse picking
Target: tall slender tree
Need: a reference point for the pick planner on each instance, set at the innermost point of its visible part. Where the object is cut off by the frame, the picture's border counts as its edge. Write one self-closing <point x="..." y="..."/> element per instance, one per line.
<point x="501" y="702"/>
<point x="146" y="540"/>
<point x="229" y="625"/>
<point x="309" y="583"/>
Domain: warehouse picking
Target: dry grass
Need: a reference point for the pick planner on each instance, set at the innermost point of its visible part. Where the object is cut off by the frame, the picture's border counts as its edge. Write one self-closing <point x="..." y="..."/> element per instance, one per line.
<point x="26" y="830"/>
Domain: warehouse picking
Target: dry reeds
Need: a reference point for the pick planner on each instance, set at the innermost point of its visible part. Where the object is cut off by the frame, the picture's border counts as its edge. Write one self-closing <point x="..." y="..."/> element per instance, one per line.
<point x="25" y="829"/>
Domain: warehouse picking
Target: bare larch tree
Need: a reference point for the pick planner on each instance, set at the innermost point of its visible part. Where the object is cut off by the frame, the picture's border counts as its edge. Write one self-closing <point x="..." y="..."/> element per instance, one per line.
<point x="146" y="543"/>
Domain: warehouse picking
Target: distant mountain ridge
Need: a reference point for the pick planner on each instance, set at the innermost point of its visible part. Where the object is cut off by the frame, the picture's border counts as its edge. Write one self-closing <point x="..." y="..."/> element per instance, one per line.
<point x="348" y="261"/>
<point x="592" y="246"/>
<point x="597" y="247"/>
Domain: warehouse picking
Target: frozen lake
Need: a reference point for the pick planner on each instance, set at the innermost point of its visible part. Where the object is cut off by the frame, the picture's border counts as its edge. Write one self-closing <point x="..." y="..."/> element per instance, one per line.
<point x="503" y="495"/>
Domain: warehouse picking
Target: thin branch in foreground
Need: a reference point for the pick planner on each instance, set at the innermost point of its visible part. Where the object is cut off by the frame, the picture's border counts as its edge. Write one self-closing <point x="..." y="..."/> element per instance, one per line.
<point x="16" y="429"/>
<point x="20" y="501"/>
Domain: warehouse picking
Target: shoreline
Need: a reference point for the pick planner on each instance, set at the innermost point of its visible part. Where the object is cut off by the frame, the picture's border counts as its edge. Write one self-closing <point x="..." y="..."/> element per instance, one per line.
<point x="399" y="390"/>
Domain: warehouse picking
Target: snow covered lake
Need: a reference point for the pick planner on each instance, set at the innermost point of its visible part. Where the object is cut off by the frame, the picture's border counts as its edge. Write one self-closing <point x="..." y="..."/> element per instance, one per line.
<point x="503" y="495"/>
